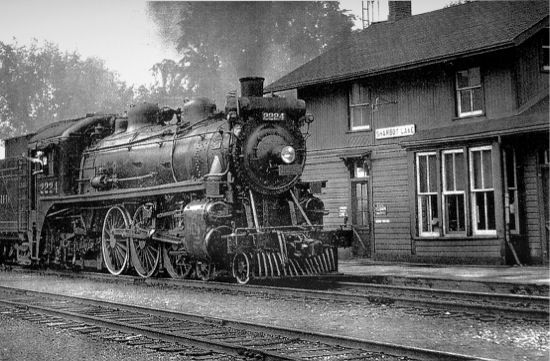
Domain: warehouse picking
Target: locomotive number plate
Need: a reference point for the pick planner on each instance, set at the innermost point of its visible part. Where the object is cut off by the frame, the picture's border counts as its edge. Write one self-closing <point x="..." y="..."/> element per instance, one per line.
<point x="290" y="169"/>
<point x="273" y="116"/>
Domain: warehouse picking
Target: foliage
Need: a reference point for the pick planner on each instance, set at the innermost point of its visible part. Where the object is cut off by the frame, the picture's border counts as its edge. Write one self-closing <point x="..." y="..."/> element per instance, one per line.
<point x="222" y="41"/>
<point x="219" y="42"/>
<point x="458" y="2"/>
<point x="40" y="85"/>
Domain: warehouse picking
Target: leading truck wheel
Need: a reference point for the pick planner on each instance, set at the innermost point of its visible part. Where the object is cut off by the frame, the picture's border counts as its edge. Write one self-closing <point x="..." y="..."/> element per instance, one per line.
<point x="114" y="245"/>
<point x="175" y="261"/>
<point x="145" y="253"/>
<point x="241" y="268"/>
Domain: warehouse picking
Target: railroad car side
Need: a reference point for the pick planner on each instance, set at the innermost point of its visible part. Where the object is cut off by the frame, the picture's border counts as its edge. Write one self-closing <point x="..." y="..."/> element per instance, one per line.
<point x="15" y="195"/>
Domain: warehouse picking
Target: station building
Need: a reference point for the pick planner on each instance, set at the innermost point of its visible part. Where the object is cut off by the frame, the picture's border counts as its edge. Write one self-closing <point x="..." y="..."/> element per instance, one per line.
<point x="432" y="132"/>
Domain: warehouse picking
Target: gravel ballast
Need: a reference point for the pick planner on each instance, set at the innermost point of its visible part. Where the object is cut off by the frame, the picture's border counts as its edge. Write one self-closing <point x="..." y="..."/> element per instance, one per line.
<point x="503" y="339"/>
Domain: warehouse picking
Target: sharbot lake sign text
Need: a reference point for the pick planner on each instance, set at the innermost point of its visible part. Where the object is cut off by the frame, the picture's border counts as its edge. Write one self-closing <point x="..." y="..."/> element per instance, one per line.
<point x="394" y="132"/>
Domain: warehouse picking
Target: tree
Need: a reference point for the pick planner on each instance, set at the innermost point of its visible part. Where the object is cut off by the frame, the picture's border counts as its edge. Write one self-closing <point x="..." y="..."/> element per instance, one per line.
<point x="222" y="41"/>
<point x="40" y="85"/>
<point x="458" y="2"/>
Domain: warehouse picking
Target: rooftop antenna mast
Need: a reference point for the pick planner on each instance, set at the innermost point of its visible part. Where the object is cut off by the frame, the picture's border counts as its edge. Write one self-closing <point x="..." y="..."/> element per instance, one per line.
<point x="368" y="12"/>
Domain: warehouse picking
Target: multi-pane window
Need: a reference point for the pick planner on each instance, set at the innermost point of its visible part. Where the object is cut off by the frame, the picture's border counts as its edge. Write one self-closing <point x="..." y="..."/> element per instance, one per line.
<point x="469" y="93"/>
<point x="359" y="198"/>
<point x="512" y="216"/>
<point x="428" y="220"/>
<point x="360" y="107"/>
<point x="454" y="191"/>
<point x="482" y="191"/>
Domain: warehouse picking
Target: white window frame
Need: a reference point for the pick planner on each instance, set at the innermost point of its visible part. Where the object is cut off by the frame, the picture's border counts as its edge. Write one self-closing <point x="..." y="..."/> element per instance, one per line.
<point x="434" y="232"/>
<point x="353" y="106"/>
<point x="473" y="192"/>
<point x="470" y="90"/>
<point x="445" y="192"/>
<point x="513" y="208"/>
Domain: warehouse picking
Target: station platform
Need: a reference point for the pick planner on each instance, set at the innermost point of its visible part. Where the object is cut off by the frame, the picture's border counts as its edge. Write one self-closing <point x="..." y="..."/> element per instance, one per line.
<point x="509" y="279"/>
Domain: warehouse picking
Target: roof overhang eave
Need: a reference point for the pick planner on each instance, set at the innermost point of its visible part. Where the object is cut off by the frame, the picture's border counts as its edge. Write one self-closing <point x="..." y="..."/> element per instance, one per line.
<point x="391" y="69"/>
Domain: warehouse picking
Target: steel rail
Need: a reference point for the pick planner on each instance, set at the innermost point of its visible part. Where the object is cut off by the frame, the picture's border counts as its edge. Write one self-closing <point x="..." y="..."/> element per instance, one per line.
<point x="57" y="305"/>
<point x="522" y="306"/>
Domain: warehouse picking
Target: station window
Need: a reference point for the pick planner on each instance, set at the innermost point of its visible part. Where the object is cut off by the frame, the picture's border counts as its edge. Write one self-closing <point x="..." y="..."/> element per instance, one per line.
<point x="460" y="188"/>
<point x="512" y="216"/>
<point x="359" y="192"/>
<point x="454" y="191"/>
<point x="428" y="220"/>
<point x="360" y="109"/>
<point x="469" y="92"/>
<point x="482" y="191"/>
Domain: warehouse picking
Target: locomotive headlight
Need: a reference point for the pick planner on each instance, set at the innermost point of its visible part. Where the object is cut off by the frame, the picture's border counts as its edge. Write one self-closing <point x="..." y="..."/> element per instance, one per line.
<point x="288" y="154"/>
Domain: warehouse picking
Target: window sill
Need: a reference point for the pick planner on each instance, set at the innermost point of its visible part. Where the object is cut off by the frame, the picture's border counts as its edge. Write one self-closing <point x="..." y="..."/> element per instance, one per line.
<point x="481" y="116"/>
<point x="359" y="131"/>
<point x="455" y="238"/>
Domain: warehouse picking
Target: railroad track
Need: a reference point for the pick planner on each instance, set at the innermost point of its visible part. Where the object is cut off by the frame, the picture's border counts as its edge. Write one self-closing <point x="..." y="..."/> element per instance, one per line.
<point x="492" y="304"/>
<point x="199" y="336"/>
<point x="459" y="303"/>
<point x="497" y="304"/>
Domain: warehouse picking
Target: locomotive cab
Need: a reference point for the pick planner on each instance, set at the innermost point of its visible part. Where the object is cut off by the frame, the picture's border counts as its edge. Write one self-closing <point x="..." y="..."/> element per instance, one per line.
<point x="56" y="148"/>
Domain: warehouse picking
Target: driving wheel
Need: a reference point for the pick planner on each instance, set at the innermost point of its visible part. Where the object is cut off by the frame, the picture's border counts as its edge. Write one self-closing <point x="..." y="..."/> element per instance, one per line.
<point x="114" y="244"/>
<point x="145" y="252"/>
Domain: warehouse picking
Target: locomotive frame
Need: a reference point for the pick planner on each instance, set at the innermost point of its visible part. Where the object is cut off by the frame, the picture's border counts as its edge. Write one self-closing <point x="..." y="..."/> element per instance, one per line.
<point x="194" y="192"/>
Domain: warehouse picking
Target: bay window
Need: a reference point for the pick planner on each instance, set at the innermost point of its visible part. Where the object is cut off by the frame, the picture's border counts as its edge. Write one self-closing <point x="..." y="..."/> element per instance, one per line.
<point x="482" y="191"/>
<point x="512" y="216"/>
<point x="455" y="193"/>
<point x="428" y="220"/>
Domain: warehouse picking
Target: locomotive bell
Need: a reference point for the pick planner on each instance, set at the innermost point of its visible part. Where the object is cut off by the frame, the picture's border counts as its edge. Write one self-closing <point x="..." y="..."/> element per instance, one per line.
<point x="252" y="87"/>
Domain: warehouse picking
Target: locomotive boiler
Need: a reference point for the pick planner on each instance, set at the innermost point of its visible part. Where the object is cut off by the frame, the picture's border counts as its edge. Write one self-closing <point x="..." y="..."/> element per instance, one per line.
<point x="195" y="192"/>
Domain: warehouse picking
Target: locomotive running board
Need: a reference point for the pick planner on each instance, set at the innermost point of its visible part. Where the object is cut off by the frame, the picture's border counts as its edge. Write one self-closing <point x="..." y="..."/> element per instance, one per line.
<point x="122" y="194"/>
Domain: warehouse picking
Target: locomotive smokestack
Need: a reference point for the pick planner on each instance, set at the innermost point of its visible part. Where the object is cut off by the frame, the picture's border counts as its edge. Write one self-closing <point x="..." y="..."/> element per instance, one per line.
<point x="252" y="87"/>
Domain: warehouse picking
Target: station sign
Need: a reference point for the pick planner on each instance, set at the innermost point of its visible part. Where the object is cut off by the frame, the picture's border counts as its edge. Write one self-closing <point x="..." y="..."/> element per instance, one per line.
<point x="394" y="132"/>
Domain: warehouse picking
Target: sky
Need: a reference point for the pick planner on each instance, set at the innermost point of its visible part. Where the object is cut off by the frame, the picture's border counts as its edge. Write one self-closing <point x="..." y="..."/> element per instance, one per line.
<point x="118" y="31"/>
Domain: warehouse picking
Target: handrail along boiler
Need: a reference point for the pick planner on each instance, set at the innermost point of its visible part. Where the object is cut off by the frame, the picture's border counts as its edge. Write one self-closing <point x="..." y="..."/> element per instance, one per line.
<point x="195" y="191"/>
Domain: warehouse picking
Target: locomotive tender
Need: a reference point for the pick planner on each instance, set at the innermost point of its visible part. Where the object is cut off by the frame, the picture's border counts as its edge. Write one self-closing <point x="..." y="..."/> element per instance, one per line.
<point x="196" y="192"/>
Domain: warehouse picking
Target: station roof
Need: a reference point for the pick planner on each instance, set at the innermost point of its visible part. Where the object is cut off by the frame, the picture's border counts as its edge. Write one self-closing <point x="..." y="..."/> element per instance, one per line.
<point x="533" y="119"/>
<point x="463" y="30"/>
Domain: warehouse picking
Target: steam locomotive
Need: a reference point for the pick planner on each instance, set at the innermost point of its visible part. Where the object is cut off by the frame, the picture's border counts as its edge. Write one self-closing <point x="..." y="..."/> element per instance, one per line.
<point x="194" y="192"/>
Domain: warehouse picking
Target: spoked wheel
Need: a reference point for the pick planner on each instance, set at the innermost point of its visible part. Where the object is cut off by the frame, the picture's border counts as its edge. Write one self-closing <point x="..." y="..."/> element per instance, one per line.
<point x="175" y="261"/>
<point x="241" y="268"/>
<point x="113" y="245"/>
<point x="145" y="252"/>
<point x="204" y="270"/>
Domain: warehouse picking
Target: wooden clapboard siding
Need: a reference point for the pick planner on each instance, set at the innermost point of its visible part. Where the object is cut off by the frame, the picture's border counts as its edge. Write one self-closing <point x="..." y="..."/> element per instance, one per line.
<point x="329" y="107"/>
<point x="498" y="86"/>
<point x="459" y="249"/>
<point x="390" y="187"/>
<point x="531" y="204"/>
<point x="531" y="81"/>
<point x="337" y="192"/>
